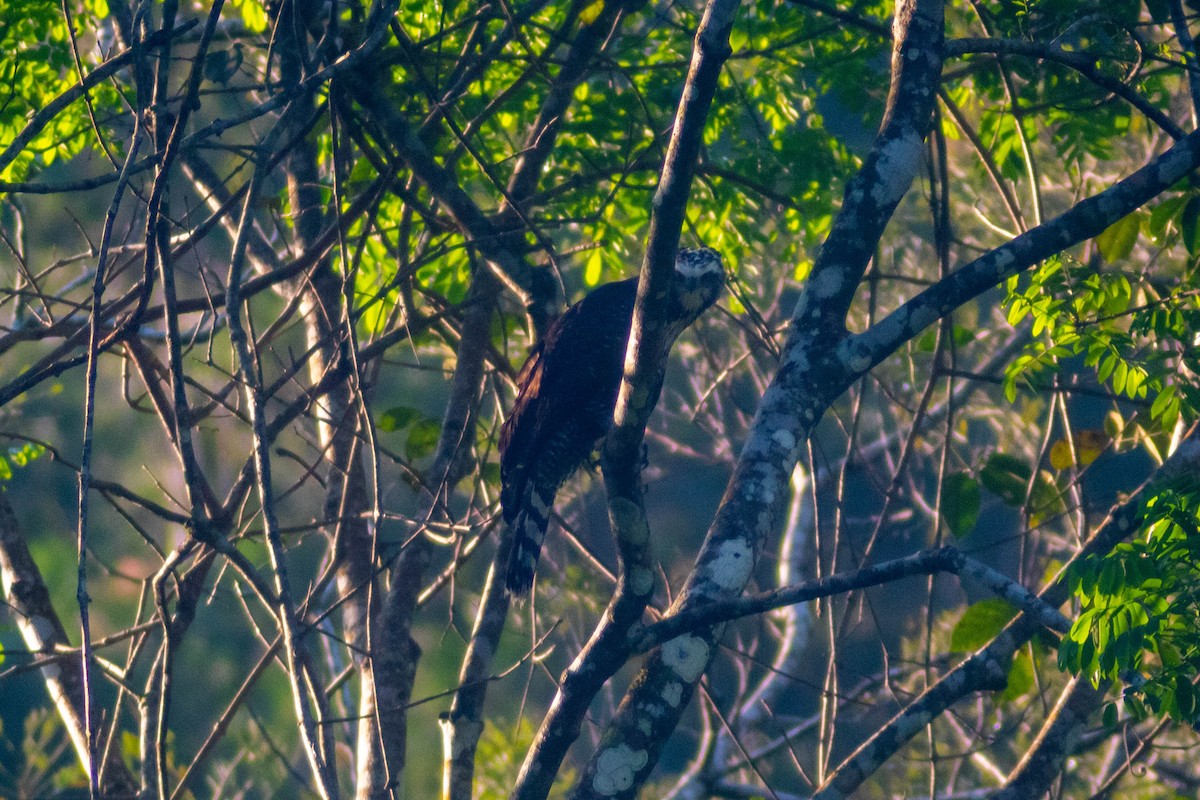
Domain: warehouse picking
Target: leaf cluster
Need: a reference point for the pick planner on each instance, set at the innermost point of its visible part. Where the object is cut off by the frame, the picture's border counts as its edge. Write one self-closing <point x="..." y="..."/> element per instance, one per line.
<point x="38" y="66"/>
<point x="1138" y="611"/>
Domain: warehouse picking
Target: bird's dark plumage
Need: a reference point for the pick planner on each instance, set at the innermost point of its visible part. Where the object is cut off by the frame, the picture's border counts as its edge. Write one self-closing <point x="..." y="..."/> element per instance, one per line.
<point x="566" y="392"/>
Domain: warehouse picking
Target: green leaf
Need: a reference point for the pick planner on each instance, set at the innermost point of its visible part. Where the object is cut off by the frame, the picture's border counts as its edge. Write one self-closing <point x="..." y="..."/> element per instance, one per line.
<point x="1010" y="388"/>
<point x="1117" y="240"/>
<point x="927" y="340"/>
<point x="980" y="623"/>
<point x="1161" y="403"/>
<point x="1020" y="677"/>
<point x="1189" y="225"/>
<point x="1162" y="214"/>
<point x="130" y="745"/>
<point x="594" y="268"/>
<point x="1120" y="374"/>
<point x="960" y="503"/>
<point x="1135" y="706"/>
<point x="253" y="14"/>
<point x="1110" y="715"/>
<point x="1169" y="653"/>
<point x="1068" y="655"/>
<point x="397" y="418"/>
<point x="1007" y="477"/>
<point x="589" y="14"/>
<point x="1135" y="383"/>
<point x="1185" y="697"/>
<point x="422" y="438"/>
<point x="26" y="454"/>
<point x="1112" y="577"/>
<point x="1046" y="499"/>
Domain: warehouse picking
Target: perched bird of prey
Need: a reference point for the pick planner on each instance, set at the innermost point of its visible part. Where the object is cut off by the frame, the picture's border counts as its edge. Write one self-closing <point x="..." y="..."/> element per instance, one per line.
<point x="566" y="392"/>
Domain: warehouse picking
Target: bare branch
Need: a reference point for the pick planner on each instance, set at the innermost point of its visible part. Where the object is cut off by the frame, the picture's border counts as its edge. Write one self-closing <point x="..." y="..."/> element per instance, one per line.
<point x="42" y="629"/>
<point x="987" y="668"/>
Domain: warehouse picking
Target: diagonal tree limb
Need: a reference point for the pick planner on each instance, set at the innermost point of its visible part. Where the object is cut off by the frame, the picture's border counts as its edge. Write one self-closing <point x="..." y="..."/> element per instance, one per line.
<point x="649" y="341"/>
<point x="987" y="668"/>
<point x="1086" y="219"/>
<point x="466" y="713"/>
<point x="42" y="630"/>
<point x="790" y="408"/>
<point x="1045" y="759"/>
<point x="926" y="562"/>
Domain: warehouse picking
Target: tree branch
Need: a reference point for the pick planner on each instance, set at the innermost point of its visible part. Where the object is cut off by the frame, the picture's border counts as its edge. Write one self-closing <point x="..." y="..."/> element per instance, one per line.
<point x="649" y="340"/>
<point x="42" y="630"/>
<point x="757" y="491"/>
<point x="987" y="668"/>
<point x="1086" y="219"/>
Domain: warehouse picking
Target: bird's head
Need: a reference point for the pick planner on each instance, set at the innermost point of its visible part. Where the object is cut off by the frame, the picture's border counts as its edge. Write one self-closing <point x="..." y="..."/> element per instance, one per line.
<point x="699" y="279"/>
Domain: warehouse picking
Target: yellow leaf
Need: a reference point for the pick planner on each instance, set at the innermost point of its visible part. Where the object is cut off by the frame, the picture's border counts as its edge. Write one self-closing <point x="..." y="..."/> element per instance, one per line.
<point x="589" y="14"/>
<point x="594" y="268"/>
<point x="1060" y="455"/>
<point x="1089" y="445"/>
<point x="1114" y="424"/>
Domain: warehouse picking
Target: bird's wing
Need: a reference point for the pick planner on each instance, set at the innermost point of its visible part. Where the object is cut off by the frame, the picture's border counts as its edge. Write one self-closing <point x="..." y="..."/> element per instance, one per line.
<point x="519" y="432"/>
<point x="582" y="357"/>
<point x="567" y="386"/>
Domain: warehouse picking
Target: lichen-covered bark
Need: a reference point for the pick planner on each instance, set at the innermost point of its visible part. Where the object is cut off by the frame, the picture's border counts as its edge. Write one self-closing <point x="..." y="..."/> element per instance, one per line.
<point x="466" y="720"/>
<point x="808" y="380"/>
<point x="819" y="361"/>
<point x="650" y="339"/>
<point x="926" y="562"/>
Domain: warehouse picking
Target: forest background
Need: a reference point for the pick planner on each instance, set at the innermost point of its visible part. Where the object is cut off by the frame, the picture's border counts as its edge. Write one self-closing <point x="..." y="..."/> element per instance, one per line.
<point x="915" y="513"/>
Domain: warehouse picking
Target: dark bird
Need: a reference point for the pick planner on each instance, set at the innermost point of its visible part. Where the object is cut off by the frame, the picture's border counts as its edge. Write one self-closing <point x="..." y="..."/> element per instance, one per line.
<point x="566" y="392"/>
<point x="221" y="65"/>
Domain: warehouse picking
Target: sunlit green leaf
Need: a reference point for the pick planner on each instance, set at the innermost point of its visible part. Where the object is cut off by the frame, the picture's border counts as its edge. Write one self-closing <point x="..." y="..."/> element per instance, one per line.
<point x="397" y="418"/>
<point x="422" y="438"/>
<point x="1020" y="677"/>
<point x="980" y="623"/>
<point x="1117" y="241"/>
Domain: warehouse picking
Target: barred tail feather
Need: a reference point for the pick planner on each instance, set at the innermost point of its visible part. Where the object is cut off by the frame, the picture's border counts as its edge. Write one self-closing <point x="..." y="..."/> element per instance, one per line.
<point x="529" y="531"/>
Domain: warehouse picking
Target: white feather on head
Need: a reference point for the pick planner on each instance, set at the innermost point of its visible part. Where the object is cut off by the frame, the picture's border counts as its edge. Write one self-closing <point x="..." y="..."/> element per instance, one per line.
<point x="697" y="262"/>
